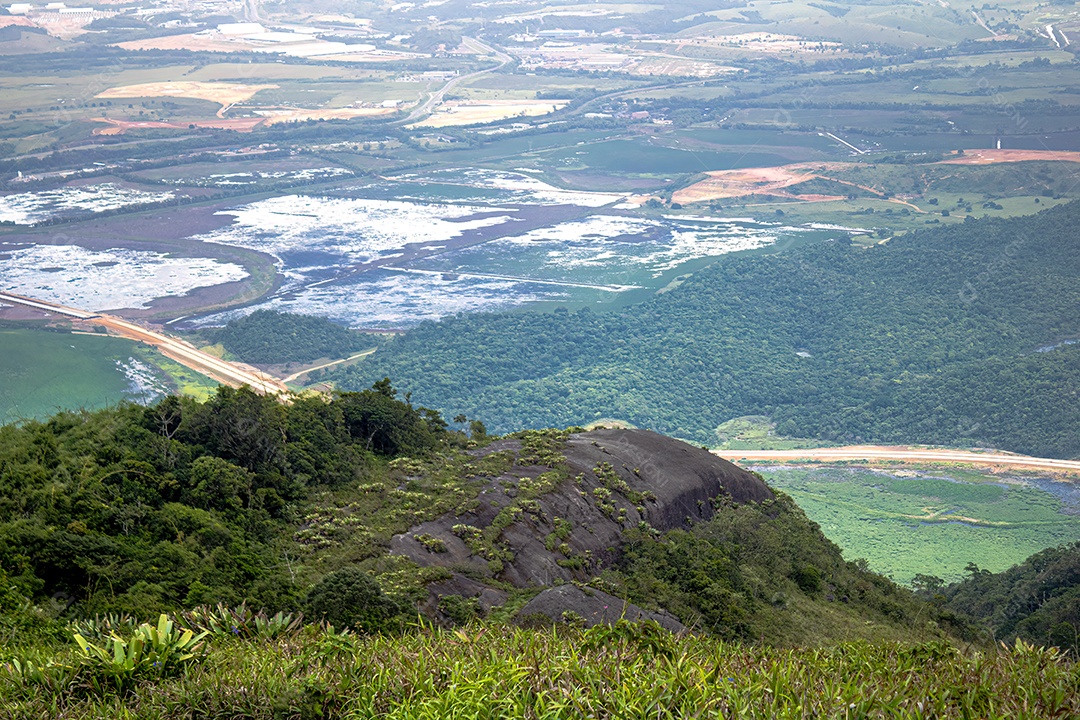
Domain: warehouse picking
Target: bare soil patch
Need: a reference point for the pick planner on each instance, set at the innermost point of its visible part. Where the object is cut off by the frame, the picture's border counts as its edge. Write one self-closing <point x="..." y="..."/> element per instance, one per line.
<point x="273" y="117"/>
<point x="191" y="41"/>
<point x="489" y="111"/>
<point x="224" y="93"/>
<point x="119" y="127"/>
<point x="991" y="157"/>
<point x="757" y="181"/>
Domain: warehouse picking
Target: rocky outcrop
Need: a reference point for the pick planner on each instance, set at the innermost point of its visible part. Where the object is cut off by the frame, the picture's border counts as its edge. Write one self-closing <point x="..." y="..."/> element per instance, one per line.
<point x="551" y="525"/>
<point x="590" y="607"/>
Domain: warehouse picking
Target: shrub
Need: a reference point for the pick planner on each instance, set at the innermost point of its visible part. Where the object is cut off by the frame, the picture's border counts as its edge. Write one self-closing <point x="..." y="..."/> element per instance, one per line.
<point x="350" y="598"/>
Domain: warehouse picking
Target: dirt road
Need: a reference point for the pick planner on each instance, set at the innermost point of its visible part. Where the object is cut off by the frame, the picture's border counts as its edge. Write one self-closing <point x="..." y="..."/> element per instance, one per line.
<point x="295" y="375"/>
<point x="223" y="371"/>
<point x="903" y="454"/>
<point x="234" y="374"/>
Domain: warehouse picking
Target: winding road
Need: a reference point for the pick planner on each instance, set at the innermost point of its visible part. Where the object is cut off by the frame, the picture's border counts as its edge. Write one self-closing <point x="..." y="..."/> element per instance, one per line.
<point x="436" y="97"/>
<point x="902" y="454"/>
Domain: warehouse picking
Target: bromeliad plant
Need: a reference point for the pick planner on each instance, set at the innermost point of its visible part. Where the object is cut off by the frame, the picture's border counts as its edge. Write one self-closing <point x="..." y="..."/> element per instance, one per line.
<point x="160" y="650"/>
<point x="110" y="663"/>
<point x="242" y="622"/>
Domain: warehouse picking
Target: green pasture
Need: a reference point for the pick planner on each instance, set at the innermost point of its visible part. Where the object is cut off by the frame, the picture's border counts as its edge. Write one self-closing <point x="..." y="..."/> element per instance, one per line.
<point x="695" y="92"/>
<point x="185" y="380"/>
<point x="43" y="372"/>
<point x="756" y="432"/>
<point x="1006" y="58"/>
<point x="903" y="25"/>
<point x="642" y="157"/>
<point x="931" y="521"/>
<point x="504" y="86"/>
<point x="272" y="72"/>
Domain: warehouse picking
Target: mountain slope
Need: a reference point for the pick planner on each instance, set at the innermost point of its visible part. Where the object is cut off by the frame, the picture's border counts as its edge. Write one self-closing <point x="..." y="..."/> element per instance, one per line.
<point x="364" y="508"/>
<point x="1037" y="600"/>
<point x="957" y="335"/>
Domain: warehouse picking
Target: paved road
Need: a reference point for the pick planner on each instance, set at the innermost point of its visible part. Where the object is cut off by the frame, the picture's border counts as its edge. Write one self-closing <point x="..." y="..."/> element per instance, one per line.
<point x="184" y="353"/>
<point x="904" y="454"/>
<point x="436" y="97"/>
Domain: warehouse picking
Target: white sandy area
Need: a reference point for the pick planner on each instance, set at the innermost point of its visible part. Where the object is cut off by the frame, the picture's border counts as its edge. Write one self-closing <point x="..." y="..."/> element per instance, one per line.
<point x="356" y="230"/>
<point x="34" y="207"/>
<point x="594" y="228"/>
<point x="525" y="188"/>
<point x="592" y="242"/>
<point x="400" y="299"/>
<point x="72" y="275"/>
<point x="477" y="113"/>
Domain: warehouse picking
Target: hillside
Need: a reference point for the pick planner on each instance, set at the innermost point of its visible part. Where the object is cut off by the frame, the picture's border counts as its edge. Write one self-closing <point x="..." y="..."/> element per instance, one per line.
<point x="556" y="558"/>
<point x="1037" y="601"/>
<point x="287" y="506"/>
<point x="268" y="337"/>
<point x="938" y="336"/>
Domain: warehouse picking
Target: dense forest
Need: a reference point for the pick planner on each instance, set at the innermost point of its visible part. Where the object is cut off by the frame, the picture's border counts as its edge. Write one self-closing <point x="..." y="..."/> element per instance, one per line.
<point x="1037" y="600"/>
<point x="139" y="510"/>
<point x="955" y="335"/>
<point x="270" y="337"/>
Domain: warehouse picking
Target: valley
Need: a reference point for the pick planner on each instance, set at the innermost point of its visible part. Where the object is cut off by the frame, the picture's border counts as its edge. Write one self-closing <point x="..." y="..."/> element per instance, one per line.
<point x="379" y="358"/>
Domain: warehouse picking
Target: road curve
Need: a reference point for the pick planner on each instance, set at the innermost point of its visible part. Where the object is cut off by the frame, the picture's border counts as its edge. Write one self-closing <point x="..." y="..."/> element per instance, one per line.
<point x="204" y="363"/>
<point x="902" y="454"/>
<point x="435" y="98"/>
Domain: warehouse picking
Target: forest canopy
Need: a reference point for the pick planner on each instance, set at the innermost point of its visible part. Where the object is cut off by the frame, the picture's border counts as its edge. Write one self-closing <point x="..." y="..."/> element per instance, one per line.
<point x="956" y="335"/>
<point x="271" y="337"/>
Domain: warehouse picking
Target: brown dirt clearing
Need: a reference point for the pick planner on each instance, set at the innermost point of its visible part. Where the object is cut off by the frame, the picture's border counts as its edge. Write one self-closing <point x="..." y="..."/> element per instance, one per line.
<point x="722" y="184"/>
<point x="119" y="127"/>
<point x="991" y="157"/>
<point x="224" y="93"/>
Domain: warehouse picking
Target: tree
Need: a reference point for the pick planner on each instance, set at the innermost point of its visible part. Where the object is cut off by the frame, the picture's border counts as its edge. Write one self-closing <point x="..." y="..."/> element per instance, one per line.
<point x="218" y="484"/>
<point x="351" y="598"/>
<point x="928" y="585"/>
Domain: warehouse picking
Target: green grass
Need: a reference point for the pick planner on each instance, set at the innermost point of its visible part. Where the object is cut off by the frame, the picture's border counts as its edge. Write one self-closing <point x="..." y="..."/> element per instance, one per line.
<point x="625" y="671"/>
<point x="756" y="432"/>
<point x="42" y="372"/>
<point x="929" y="522"/>
<point x="186" y="380"/>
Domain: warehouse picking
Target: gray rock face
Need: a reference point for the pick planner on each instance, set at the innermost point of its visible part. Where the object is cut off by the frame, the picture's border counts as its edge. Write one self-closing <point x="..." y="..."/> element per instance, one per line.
<point x="592" y="606"/>
<point x="616" y="480"/>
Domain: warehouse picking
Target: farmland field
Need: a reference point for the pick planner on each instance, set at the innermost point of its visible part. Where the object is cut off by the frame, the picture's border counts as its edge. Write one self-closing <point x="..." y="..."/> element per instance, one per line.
<point x="933" y="522"/>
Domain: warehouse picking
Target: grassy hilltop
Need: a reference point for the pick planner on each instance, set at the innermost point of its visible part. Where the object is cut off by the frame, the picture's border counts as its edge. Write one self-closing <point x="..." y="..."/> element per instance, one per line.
<point x="463" y="574"/>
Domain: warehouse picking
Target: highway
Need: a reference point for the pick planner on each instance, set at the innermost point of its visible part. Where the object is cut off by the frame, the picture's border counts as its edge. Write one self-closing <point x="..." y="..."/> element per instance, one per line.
<point x="901" y="454"/>
<point x="435" y="98"/>
<point x="188" y="355"/>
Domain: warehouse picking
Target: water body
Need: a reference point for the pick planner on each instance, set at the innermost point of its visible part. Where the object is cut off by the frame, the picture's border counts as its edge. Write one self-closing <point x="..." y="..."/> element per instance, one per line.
<point x="423" y="246"/>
